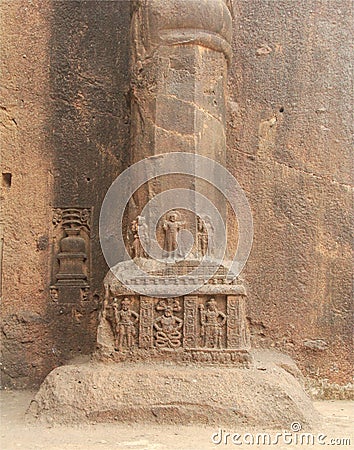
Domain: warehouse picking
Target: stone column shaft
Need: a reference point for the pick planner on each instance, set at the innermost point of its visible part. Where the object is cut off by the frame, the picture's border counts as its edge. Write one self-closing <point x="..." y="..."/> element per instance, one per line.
<point x="181" y="50"/>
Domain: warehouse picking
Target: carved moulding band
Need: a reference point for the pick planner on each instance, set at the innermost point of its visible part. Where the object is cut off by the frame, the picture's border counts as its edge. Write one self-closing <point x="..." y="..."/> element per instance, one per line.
<point x="206" y="39"/>
<point x="118" y="288"/>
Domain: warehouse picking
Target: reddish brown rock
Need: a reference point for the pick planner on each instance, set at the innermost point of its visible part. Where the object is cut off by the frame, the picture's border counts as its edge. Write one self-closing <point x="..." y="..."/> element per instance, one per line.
<point x="91" y="393"/>
<point x="65" y="137"/>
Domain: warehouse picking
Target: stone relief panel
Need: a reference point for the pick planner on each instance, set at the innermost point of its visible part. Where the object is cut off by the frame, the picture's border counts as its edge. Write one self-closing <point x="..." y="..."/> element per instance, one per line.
<point x="205" y="319"/>
<point x="125" y="321"/>
<point x="123" y="316"/>
<point x="200" y="324"/>
<point x="168" y="326"/>
<point x="212" y="324"/>
<point x="71" y="255"/>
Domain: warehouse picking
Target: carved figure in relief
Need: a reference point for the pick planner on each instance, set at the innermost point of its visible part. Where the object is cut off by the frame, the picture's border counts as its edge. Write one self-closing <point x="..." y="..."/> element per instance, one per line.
<point x="171" y="227"/>
<point x="85" y="217"/>
<point x="205" y="236"/>
<point x="125" y="321"/>
<point x="202" y="237"/>
<point x="210" y="230"/>
<point x="57" y="216"/>
<point x="140" y="234"/>
<point x="85" y="293"/>
<point x="212" y="321"/>
<point x="168" y="326"/>
<point x="54" y="293"/>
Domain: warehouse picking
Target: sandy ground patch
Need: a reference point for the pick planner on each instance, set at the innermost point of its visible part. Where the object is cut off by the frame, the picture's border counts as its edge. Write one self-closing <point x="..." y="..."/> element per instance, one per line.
<point x="16" y="433"/>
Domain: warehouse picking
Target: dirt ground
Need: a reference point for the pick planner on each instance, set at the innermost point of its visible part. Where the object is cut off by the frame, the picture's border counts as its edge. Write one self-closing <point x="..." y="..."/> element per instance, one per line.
<point x="16" y="433"/>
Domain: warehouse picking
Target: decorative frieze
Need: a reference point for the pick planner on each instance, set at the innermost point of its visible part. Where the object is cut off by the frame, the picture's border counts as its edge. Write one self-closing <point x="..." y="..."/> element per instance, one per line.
<point x="206" y="328"/>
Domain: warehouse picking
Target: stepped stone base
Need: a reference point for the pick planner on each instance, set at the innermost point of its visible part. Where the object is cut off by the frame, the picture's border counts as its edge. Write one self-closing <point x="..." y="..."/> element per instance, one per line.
<point x="269" y="394"/>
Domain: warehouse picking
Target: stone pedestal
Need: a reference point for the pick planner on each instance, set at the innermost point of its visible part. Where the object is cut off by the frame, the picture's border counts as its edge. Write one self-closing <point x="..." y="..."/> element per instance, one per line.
<point x="268" y="394"/>
<point x="208" y="325"/>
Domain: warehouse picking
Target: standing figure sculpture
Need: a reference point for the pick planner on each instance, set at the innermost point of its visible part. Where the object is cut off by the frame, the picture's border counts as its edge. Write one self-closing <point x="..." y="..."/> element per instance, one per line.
<point x="139" y="230"/>
<point x="171" y="227"/>
<point x="210" y="233"/>
<point x="212" y="321"/>
<point x="202" y="237"/>
<point x="168" y="327"/>
<point x="125" y="321"/>
<point x="205" y="237"/>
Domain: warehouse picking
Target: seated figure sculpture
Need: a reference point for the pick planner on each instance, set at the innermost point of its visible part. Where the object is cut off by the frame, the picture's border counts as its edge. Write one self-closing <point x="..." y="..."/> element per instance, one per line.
<point x="168" y="326"/>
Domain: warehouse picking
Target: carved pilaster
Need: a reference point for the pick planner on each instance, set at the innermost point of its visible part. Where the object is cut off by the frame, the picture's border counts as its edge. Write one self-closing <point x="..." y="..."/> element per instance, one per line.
<point x="146" y="339"/>
<point x="190" y="321"/>
<point x="237" y="328"/>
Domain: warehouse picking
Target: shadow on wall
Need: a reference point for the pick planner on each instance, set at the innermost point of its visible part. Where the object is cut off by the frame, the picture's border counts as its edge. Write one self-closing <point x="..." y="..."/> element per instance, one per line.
<point x="89" y="129"/>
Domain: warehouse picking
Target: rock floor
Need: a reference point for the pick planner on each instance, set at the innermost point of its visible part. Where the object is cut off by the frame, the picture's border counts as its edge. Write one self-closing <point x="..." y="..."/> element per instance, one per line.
<point x="16" y="433"/>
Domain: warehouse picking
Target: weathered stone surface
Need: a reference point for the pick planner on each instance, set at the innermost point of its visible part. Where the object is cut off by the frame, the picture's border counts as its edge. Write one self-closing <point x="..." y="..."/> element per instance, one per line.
<point x="289" y="134"/>
<point x="25" y="193"/>
<point x="66" y="130"/>
<point x="180" y="57"/>
<point x="267" y="395"/>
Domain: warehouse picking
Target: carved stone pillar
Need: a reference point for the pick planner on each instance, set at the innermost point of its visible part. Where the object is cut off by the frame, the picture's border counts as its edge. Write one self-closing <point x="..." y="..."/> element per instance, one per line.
<point x="181" y="51"/>
<point x="180" y="55"/>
